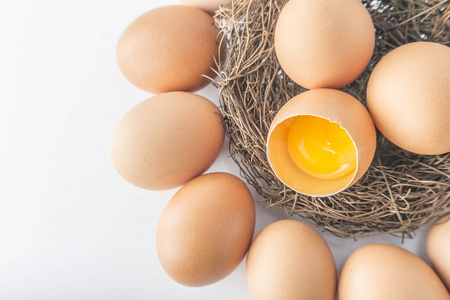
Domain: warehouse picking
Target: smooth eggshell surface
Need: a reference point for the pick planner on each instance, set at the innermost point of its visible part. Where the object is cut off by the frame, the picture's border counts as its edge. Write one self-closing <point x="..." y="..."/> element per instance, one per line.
<point x="438" y="248"/>
<point x="206" y="229"/>
<point x="385" y="272"/>
<point x="166" y="140"/>
<point x="169" y="49"/>
<point x="338" y="107"/>
<point x="324" y="43"/>
<point x="289" y="260"/>
<point x="209" y="6"/>
<point x="408" y="95"/>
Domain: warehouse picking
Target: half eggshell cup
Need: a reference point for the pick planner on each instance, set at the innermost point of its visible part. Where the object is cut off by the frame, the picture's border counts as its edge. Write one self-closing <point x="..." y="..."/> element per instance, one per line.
<point x="337" y="107"/>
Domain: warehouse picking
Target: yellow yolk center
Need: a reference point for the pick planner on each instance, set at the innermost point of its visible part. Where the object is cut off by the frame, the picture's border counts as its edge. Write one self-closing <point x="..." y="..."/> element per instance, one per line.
<point x="321" y="148"/>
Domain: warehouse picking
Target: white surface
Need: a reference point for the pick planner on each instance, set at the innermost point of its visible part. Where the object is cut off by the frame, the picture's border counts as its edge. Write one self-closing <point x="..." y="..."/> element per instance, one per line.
<point x="70" y="227"/>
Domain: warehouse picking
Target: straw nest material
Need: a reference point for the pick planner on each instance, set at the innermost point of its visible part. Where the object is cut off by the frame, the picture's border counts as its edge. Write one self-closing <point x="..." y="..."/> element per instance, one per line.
<point x="400" y="192"/>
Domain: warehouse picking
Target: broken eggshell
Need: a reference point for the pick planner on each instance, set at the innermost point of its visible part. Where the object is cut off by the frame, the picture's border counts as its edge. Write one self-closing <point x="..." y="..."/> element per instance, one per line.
<point x="337" y="107"/>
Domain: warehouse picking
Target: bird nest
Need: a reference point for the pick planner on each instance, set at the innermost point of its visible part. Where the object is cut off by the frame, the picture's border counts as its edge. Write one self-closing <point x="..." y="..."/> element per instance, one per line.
<point x="400" y="192"/>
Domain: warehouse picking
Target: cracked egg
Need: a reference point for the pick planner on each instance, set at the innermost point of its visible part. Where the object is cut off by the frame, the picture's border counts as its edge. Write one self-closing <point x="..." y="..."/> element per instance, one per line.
<point x="321" y="142"/>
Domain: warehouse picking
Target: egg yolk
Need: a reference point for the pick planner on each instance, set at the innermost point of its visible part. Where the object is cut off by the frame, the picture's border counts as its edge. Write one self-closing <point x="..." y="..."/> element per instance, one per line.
<point x="321" y="148"/>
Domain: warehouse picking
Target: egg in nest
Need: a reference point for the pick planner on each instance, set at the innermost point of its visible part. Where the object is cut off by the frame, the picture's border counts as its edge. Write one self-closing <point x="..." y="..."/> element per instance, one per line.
<point x="408" y="96"/>
<point x="324" y="43"/>
<point x="321" y="142"/>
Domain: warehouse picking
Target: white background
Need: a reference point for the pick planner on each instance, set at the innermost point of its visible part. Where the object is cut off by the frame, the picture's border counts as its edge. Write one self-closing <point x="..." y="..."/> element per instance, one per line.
<point x="70" y="227"/>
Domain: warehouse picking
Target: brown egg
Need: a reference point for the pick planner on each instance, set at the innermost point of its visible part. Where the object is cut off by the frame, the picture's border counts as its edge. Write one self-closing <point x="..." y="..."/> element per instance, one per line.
<point x="206" y="229"/>
<point x="385" y="272"/>
<point x="166" y="140"/>
<point x="438" y="248"/>
<point x="169" y="49"/>
<point x="337" y="132"/>
<point x="408" y="96"/>
<point x="289" y="260"/>
<point x="324" y="43"/>
<point x="209" y="6"/>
